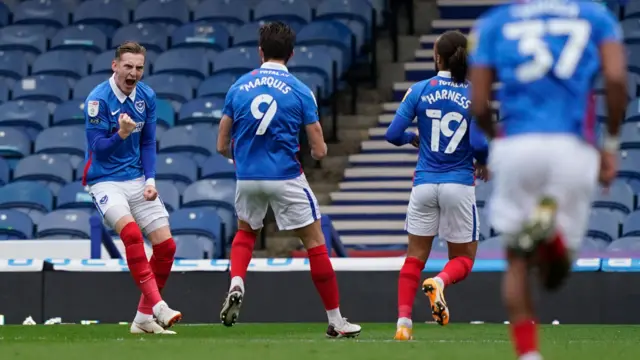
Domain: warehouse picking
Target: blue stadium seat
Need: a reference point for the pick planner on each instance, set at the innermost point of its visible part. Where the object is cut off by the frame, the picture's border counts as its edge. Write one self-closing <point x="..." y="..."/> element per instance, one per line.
<point x="175" y="88"/>
<point x="317" y="63"/>
<point x="335" y="53"/>
<point x="28" y="38"/>
<point x="633" y="81"/>
<point x="50" y="14"/>
<point x="4" y="14"/>
<point x="356" y="14"/>
<point x="86" y="38"/>
<point x="295" y="13"/>
<point x="165" y="114"/>
<point x="633" y="111"/>
<point x="102" y="63"/>
<point x="169" y="194"/>
<point x="4" y="90"/>
<point x="163" y="12"/>
<point x="28" y="197"/>
<point x="193" y="247"/>
<point x="628" y="165"/>
<point x="192" y="63"/>
<point x="50" y="170"/>
<point x="13" y="64"/>
<point x="631" y="225"/>
<point x="232" y="13"/>
<point x="630" y="136"/>
<point x="4" y="168"/>
<point x="14" y="143"/>
<point x="68" y="63"/>
<point x="201" y="34"/>
<point x="75" y="196"/>
<point x="203" y="226"/>
<point x="64" y="224"/>
<point x="79" y="170"/>
<point x="236" y="61"/>
<point x="201" y="110"/>
<point x="217" y="193"/>
<point x="28" y="116"/>
<point x="618" y="198"/>
<point x="15" y="225"/>
<point x="603" y="225"/>
<point x="68" y="141"/>
<point x="106" y="15"/>
<point x="631" y="9"/>
<point x="196" y="141"/>
<point x="69" y="113"/>
<point x="49" y="88"/>
<point x="218" y="167"/>
<point x="84" y="86"/>
<point x="217" y="85"/>
<point x="179" y="169"/>
<point x="314" y="81"/>
<point x="328" y="33"/>
<point x="247" y="35"/>
<point x="152" y="36"/>
<point x="624" y="247"/>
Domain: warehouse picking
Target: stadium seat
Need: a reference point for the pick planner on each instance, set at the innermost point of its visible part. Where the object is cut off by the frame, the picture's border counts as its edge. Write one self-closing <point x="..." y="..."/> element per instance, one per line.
<point x="217" y="85"/>
<point x="106" y="15"/>
<point x="632" y="113"/>
<point x="202" y="35"/>
<point x="28" y="38"/>
<point x="4" y="168"/>
<point x="246" y="35"/>
<point x="355" y="14"/>
<point x="219" y="193"/>
<point x="14" y="143"/>
<point x="631" y="225"/>
<point x="28" y="197"/>
<point x="236" y="61"/>
<point x="50" y="170"/>
<point x="202" y="226"/>
<point x="232" y="13"/>
<point x="69" y="113"/>
<point x="102" y="63"/>
<point x="193" y="247"/>
<point x="75" y="196"/>
<point x="67" y="63"/>
<point x="169" y="13"/>
<point x="5" y="12"/>
<point x="628" y="168"/>
<point x="64" y="224"/>
<point x="165" y="114"/>
<point x="152" y="36"/>
<point x="631" y="10"/>
<point x="483" y="193"/>
<point x="328" y="33"/>
<point x="176" y="88"/>
<point x="51" y="14"/>
<point x="624" y="247"/>
<point x="13" y="64"/>
<point x="85" y="85"/>
<point x="196" y="141"/>
<point x="630" y="136"/>
<point x="4" y="90"/>
<point x="335" y="53"/>
<point x="169" y="194"/>
<point x="66" y="141"/>
<point x="294" y="13"/>
<point x="201" y="110"/>
<point x="86" y="38"/>
<point x="317" y="63"/>
<point x="28" y="116"/>
<point x="79" y="170"/>
<point x="179" y="169"/>
<point x="15" y="225"/>
<point x="192" y="63"/>
<point x="604" y="226"/>
<point x="618" y="198"/>
<point x="49" y="88"/>
<point x="315" y="82"/>
<point x="218" y="167"/>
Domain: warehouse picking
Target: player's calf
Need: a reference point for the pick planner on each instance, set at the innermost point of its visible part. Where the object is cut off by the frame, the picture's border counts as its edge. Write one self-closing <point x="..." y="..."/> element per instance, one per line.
<point x="539" y="229"/>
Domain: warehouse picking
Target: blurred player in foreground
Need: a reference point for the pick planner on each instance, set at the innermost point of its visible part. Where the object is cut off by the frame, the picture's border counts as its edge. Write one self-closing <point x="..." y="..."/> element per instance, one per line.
<point x="263" y="114"/>
<point x="544" y="158"/>
<point x="120" y="116"/>
<point x="443" y="199"/>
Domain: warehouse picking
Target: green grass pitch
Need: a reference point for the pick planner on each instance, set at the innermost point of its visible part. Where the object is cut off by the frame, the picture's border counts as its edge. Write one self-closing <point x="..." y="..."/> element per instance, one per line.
<point x="307" y="342"/>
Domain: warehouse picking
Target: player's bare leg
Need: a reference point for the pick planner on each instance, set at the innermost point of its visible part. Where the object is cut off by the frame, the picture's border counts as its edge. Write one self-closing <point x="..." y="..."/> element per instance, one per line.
<point x="461" y="259"/>
<point x="164" y="248"/>
<point x="408" y="281"/>
<point x="141" y="271"/>
<point x="241" y="253"/>
<point x="324" y="279"/>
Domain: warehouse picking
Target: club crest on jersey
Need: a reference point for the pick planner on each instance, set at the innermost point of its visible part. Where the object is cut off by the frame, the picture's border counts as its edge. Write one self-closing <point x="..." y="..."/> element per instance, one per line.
<point x="140" y="106"/>
<point x="93" y="107"/>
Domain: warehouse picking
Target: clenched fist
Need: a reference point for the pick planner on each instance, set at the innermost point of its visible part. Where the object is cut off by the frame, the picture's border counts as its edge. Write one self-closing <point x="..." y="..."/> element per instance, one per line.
<point x="126" y="125"/>
<point x="150" y="193"/>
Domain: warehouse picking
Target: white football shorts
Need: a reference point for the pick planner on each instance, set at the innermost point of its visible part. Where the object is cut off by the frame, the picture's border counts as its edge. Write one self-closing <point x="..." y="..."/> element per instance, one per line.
<point x="446" y="210"/>
<point x="293" y="203"/>
<point x="528" y="167"/>
<point x="129" y="195"/>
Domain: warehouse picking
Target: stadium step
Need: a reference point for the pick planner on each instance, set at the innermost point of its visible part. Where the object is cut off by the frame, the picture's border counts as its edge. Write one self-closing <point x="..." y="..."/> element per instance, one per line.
<point x="395" y="159"/>
<point x="369" y="227"/>
<point x="378" y="133"/>
<point x="378" y="173"/>
<point x="465" y="9"/>
<point x="423" y="55"/>
<point x="350" y="240"/>
<point x="371" y="186"/>
<point x="370" y="198"/>
<point x="365" y="212"/>
<point x="382" y="146"/>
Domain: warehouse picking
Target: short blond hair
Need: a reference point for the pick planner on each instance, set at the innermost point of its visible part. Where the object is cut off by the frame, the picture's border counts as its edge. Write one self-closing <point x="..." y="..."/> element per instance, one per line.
<point x="130" y="47"/>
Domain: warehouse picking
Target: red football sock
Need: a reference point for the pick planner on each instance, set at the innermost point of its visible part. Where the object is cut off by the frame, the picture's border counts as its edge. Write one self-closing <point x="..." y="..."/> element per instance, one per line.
<point x="323" y="276"/>
<point x="524" y="335"/>
<point x="138" y="264"/>
<point x="456" y="270"/>
<point x="241" y="252"/>
<point x="161" y="263"/>
<point x="408" y="285"/>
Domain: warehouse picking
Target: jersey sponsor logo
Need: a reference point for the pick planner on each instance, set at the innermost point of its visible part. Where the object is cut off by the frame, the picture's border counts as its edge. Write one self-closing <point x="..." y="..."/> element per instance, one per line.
<point x="139" y="126"/>
<point x="93" y="108"/>
<point x="406" y="94"/>
<point x="140" y="106"/>
<point x="94" y="121"/>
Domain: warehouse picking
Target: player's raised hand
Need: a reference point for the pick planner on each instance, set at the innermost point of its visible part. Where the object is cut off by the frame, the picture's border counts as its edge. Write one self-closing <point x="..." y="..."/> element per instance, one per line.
<point x="150" y="193"/>
<point x="126" y="124"/>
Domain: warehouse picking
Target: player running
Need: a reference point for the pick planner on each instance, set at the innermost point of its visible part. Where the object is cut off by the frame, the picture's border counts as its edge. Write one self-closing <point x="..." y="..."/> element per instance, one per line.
<point x="120" y="117"/>
<point x="443" y="200"/>
<point x="546" y="55"/>
<point x="263" y="114"/>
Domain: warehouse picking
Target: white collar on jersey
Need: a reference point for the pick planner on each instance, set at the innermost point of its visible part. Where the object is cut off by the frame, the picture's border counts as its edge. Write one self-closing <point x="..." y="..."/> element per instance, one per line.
<point x="119" y="94"/>
<point x="274" y="66"/>
<point x="446" y="74"/>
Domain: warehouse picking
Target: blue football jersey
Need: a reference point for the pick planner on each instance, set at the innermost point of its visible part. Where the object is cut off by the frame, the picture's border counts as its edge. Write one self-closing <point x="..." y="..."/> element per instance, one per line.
<point x="268" y="106"/>
<point x="545" y="54"/>
<point x="122" y="160"/>
<point x="447" y="132"/>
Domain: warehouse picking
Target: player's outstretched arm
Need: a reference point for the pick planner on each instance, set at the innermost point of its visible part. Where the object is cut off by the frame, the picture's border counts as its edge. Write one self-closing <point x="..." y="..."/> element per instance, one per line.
<point x="148" y="144"/>
<point x="98" y="125"/>
<point x="397" y="133"/>
<point x="223" y="145"/>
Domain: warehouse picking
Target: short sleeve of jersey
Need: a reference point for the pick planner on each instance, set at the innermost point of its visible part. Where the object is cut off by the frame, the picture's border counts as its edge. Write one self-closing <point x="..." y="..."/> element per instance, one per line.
<point x="228" y="103"/>
<point x="481" y="42"/>
<point x="95" y="114"/>
<point x="407" y="108"/>
<point x="605" y="27"/>
<point x="309" y="106"/>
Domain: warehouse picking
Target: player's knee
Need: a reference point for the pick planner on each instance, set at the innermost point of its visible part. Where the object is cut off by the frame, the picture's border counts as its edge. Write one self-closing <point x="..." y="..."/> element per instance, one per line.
<point x="131" y="234"/>
<point x="311" y="235"/>
<point x="244" y="226"/>
<point x="158" y="230"/>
